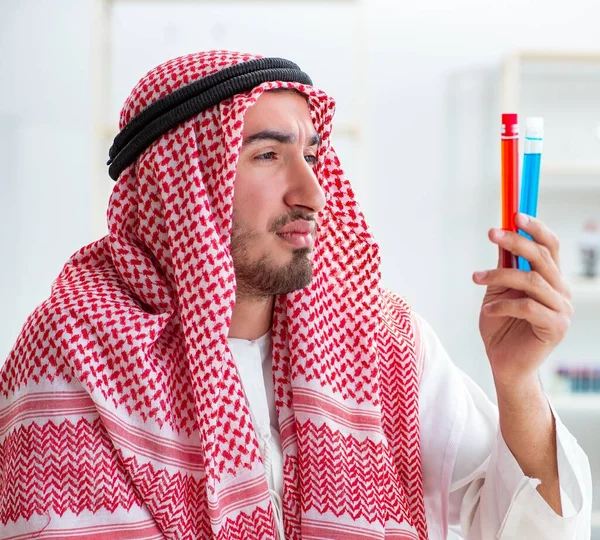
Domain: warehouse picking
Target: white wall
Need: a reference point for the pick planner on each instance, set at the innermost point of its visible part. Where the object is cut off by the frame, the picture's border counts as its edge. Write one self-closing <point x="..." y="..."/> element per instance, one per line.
<point x="411" y="48"/>
<point x="45" y="131"/>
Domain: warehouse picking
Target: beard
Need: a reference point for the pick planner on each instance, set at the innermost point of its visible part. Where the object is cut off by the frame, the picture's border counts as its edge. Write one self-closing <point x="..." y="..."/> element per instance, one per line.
<point x="263" y="277"/>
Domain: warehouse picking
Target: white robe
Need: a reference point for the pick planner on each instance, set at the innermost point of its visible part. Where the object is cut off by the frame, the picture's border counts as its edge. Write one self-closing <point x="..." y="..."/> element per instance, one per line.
<point x="472" y="483"/>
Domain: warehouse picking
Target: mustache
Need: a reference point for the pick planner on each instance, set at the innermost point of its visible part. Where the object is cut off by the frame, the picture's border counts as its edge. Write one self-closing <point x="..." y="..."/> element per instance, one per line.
<point x="295" y="215"/>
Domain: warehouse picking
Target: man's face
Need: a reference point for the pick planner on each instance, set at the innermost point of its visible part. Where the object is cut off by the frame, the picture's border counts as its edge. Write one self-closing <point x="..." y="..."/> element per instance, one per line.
<point x="277" y="197"/>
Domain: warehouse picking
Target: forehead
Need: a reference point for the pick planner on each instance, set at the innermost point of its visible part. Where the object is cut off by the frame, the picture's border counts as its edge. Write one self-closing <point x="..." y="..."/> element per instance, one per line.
<point x="284" y="109"/>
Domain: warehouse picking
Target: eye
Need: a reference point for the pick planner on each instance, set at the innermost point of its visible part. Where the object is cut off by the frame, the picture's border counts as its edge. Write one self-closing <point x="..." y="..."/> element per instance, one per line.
<point x="267" y="156"/>
<point x="311" y="160"/>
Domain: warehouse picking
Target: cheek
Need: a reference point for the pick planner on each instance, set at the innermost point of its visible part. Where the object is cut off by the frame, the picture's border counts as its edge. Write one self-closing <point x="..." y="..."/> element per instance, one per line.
<point x="258" y="196"/>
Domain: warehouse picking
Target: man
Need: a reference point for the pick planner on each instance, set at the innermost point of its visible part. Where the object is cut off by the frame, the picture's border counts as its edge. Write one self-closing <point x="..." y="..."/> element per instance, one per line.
<point x="225" y="364"/>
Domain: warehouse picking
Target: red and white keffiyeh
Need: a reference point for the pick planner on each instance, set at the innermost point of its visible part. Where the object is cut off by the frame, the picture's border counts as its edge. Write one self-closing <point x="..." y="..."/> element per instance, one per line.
<point x="122" y="414"/>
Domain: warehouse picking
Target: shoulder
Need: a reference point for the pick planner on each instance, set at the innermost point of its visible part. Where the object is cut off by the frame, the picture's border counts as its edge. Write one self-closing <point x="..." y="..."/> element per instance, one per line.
<point x="399" y="327"/>
<point x="37" y="355"/>
<point x="52" y="344"/>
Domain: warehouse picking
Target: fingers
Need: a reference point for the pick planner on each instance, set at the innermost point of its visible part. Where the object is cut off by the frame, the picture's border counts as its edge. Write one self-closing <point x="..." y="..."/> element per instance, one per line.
<point x="553" y="324"/>
<point x="542" y="258"/>
<point x="531" y="283"/>
<point x="541" y="234"/>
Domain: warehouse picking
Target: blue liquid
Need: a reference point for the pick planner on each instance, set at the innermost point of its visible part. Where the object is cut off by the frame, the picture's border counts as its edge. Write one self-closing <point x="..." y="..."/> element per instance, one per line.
<point x="529" y="195"/>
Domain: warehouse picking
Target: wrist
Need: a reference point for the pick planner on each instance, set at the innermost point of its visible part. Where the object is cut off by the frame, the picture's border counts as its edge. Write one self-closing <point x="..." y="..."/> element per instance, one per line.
<point x="524" y="409"/>
<point x="521" y="393"/>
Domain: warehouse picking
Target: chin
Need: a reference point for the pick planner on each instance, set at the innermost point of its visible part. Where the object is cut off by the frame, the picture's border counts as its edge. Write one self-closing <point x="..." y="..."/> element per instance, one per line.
<point x="274" y="273"/>
<point x="297" y="274"/>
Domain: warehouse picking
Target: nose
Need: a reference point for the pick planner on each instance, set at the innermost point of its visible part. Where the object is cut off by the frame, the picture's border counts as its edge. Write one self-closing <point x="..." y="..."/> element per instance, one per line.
<point x="304" y="188"/>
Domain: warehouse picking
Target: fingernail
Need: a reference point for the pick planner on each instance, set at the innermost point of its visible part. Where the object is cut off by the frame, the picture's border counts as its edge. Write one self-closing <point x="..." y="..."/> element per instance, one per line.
<point x="524" y="219"/>
<point x="499" y="233"/>
<point x="480" y="275"/>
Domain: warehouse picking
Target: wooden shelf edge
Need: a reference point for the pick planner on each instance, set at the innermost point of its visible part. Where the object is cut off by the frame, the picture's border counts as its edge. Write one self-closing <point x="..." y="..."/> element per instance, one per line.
<point x="557" y="56"/>
<point x="571" y="170"/>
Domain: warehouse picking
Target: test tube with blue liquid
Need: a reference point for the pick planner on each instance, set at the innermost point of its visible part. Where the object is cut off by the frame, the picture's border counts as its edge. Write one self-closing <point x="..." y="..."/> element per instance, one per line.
<point x="530" y="181"/>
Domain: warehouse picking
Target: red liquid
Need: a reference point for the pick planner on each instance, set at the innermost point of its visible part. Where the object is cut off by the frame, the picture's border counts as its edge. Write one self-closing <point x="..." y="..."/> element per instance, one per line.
<point x="510" y="190"/>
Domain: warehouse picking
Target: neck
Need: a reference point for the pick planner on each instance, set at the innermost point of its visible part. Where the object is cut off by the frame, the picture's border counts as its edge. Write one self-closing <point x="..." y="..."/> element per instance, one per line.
<point x="251" y="318"/>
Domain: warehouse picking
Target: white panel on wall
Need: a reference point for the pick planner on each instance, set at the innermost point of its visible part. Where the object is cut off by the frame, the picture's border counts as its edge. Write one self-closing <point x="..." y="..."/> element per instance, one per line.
<point x="144" y="35"/>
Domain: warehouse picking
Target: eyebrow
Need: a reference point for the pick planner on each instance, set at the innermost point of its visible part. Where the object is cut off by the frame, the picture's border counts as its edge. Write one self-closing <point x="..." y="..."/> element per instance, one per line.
<point x="279" y="136"/>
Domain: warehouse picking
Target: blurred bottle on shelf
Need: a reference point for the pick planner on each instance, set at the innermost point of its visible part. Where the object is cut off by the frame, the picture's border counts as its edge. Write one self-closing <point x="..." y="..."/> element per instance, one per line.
<point x="590" y="249"/>
<point x="576" y="378"/>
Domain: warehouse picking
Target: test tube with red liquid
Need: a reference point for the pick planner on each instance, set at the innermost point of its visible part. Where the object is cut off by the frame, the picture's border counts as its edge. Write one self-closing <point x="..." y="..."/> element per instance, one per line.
<point x="510" y="182"/>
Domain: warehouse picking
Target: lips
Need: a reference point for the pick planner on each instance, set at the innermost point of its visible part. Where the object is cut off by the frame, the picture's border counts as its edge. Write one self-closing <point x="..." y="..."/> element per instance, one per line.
<point x="300" y="234"/>
<point x="297" y="227"/>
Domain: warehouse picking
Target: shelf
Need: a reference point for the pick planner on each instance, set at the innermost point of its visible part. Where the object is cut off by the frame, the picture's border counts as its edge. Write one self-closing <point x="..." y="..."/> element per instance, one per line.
<point x="579" y="170"/>
<point x="585" y="290"/>
<point x="557" y="56"/>
<point x="560" y="179"/>
<point x="576" y="402"/>
<point x="570" y="178"/>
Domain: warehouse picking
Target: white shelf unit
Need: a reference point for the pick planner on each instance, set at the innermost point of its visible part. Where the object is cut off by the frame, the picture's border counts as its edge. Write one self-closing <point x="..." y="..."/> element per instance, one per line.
<point x="564" y="88"/>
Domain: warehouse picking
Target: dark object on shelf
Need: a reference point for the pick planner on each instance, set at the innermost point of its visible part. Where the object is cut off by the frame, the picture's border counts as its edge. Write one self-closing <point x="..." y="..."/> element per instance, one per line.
<point x="590" y="249"/>
<point x="580" y="379"/>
